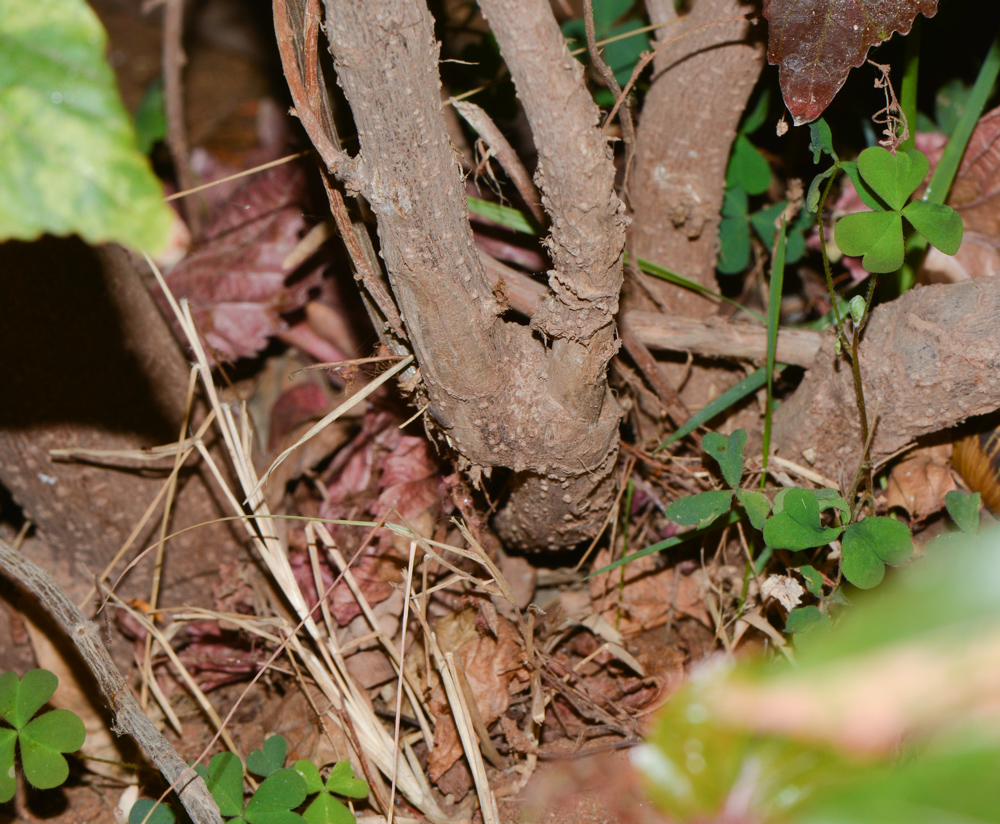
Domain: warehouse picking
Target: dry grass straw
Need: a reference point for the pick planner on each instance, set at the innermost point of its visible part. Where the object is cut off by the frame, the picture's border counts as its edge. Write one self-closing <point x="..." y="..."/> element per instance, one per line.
<point x="318" y="649"/>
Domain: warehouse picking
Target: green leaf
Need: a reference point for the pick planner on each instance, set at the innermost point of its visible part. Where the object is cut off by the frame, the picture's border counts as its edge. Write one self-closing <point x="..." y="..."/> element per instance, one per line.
<point x="941" y="225"/>
<point x="803" y="618"/>
<point x="151" y="117"/>
<point x="325" y="809"/>
<point x="8" y="783"/>
<point x="278" y="794"/>
<point x="830" y="499"/>
<point x="860" y="565"/>
<point x="728" y="452"/>
<point x="750" y="384"/>
<point x="504" y="215"/>
<point x="734" y="232"/>
<point x="797" y="526"/>
<point x="893" y="177"/>
<point x="269" y="759"/>
<point x="70" y="163"/>
<point x="758" y="507"/>
<point x="748" y="168"/>
<point x="813" y="578"/>
<point x="813" y="195"/>
<point x="667" y="543"/>
<point x="876" y="235"/>
<point x="342" y="781"/>
<point x="162" y="813"/>
<point x="963" y="507"/>
<point x="850" y="168"/>
<point x="22" y="698"/>
<point x="870" y="544"/>
<point x="821" y="141"/>
<point x="310" y="774"/>
<point x="42" y="743"/>
<point x="701" y="509"/>
<point x="224" y="778"/>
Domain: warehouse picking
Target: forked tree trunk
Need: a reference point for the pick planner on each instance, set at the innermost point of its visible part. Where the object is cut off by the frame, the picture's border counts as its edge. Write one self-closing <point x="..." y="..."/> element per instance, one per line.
<point x="531" y="399"/>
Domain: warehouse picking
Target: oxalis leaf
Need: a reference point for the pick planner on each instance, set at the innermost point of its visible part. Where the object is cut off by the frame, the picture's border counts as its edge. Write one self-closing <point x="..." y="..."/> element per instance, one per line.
<point x="816" y="43"/>
<point x="42" y="740"/>
<point x="269" y="759"/>
<point x="279" y="794"/>
<point x="728" y="452"/>
<point x="701" y="509"/>
<point x="798" y="526"/>
<point x="869" y="545"/>
<point x="964" y="510"/>
<point x="68" y="157"/>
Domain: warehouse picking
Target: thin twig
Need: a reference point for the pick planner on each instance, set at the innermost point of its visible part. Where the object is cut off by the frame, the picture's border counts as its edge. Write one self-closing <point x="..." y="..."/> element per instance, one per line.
<point x="129" y="717"/>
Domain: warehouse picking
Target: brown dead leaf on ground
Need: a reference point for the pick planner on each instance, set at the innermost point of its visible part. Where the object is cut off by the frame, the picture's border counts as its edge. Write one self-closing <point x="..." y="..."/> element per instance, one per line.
<point x="919" y="483"/>
<point x="975" y="195"/>
<point x="493" y="667"/>
<point x="647" y="595"/>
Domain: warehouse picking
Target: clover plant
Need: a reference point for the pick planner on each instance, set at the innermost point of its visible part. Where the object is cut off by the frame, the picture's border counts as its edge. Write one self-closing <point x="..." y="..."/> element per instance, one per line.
<point x="41" y="740"/>
<point x="280" y="796"/>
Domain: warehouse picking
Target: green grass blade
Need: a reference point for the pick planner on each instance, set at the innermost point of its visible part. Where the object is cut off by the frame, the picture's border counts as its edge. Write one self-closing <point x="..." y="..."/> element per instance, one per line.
<point x="947" y="168"/>
<point x="669" y="543"/>
<point x="908" y="87"/>
<point x="663" y="273"/>
<point x="773" y="315"/>
<point x="504" y="215"/>
<point x="750" y="384"/>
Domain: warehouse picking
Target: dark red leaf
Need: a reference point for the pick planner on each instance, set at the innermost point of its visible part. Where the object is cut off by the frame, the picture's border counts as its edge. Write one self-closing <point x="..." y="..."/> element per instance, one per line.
<point x="816" y="43"/>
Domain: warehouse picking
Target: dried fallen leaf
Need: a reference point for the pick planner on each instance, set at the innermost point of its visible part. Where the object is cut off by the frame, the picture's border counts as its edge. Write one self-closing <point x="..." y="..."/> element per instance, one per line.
<point x="816" y="43"/>
<point x="785" y="590"/>
<point x="975" y="195"/>
<point x="919" y="483"/>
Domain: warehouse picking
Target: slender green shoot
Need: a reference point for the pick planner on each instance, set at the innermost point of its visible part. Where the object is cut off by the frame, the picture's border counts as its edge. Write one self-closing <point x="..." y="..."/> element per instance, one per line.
<point x="947" y="168"/>
<point x="773" y="315"/>
<point x="750" y="384"/>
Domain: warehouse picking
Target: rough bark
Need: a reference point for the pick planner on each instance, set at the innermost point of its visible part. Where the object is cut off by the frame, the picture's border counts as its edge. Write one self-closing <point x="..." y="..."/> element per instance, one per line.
<point x="689" y="118"/>
<point x="501" y="395"/>
<point x="930" y="360"/>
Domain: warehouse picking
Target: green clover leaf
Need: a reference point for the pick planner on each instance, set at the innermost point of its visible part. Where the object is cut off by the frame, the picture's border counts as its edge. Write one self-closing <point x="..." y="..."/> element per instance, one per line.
<point x="270" y="759"/>
<point x="964" y="510"/>
<point x="894" y="177"/>
<point x="798" y="526"/>
<point x="276" y="797"/>
<point x="871" y="544"/>
<point x="728" y="453"/>
<point x="161" y="813"/>
<point x="701" y="509"/>
<point x="877" y="236"/>
<point x="342" y="781"/>
<point x="42" y="740"/>
<point x="325" y="809"/>
<point x="224" y="779"/>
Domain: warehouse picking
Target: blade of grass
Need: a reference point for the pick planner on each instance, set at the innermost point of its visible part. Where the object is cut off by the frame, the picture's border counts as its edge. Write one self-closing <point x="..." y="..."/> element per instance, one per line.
<point x="773" y="315"/>
<point x="750" y="384"/>
<point x="947" y="168"/>
<point x="908" y="87"/>
<point x="669" y="543"/>
<point x="504" y="215"/>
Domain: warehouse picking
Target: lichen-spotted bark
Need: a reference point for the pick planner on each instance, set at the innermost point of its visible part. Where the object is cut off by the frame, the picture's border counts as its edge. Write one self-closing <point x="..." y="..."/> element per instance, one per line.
<point x="503" y="395"/>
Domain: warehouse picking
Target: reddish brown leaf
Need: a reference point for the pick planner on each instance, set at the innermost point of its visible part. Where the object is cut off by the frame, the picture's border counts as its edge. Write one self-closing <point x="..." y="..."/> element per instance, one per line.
<point x="816" y="43"/>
